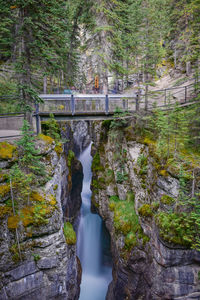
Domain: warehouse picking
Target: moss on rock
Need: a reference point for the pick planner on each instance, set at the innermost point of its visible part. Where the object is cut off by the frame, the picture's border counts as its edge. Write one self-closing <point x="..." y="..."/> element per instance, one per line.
<point x="145" y="210"/>
<point x="165" y="199"/>
<point x="6" y="150"/>
<point x="69" y="233"/>
<point x="4" y="190"/>
<point x="47" y="139"/>
<point x="96" y="163"/>
<point x="5" y="210"/>
<point x="13" y="222"/>
<point x="70" y="158"/>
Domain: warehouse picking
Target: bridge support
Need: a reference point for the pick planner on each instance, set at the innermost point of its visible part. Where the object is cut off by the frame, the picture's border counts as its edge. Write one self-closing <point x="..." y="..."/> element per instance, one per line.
<point x="72" y="105"/>
<point x="107" y="105"/>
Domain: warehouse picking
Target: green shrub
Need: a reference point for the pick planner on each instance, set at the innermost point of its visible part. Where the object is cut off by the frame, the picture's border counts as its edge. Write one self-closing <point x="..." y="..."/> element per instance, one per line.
<point x="121" y="177"/>
<point x="36" y="257"/>
<point x="177" y="228"/>
<point x="51" y="128"/>
<point x="106" y="124"/>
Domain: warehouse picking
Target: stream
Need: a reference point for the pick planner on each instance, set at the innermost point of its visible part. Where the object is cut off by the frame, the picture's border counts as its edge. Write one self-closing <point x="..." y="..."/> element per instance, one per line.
<point x="96" y="275"/>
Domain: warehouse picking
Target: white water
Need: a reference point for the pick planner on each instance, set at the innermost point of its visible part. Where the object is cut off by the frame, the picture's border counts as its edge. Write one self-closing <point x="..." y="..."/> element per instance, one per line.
<point x="95" y="276"/>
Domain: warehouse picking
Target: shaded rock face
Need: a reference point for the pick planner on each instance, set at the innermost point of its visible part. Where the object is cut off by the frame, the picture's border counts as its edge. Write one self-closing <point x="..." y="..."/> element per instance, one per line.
<point x="155" y="269"/>
<point x="74" y="200"/>
<point x="49" y="268"/>
<point x="77" y="134"/>
<point x="81" y="136"/>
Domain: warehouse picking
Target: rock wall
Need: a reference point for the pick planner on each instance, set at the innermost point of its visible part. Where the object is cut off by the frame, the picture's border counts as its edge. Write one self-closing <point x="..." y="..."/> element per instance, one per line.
<point x="128" y="194"/>
<point x="49" y="268"/>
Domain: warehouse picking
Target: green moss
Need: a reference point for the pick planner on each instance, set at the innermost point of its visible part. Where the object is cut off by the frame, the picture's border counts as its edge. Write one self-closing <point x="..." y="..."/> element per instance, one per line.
<point x="163" y="173"/>
<point x="47" y="139"/>
<point x="5" y="210"/>
<point x="130" y="197"/>
<point x="125" y="219"/>
<point x="4" y="190"/>
<point x="69" y="233"/>
<point x="6" y="150"/>
<point x="199" y="275"/>
<point x="98" y="184"/>
<point x="35" y="196"/>
<point x="36" y="257"/>
<point x="4" y="177"/>
<point x="110" y="177"/>
<point x="130" y="240"/>
<point x="145" y="210"/>
<point x="165" y="199"/>
<point x="94" y="199"/>
<point x="14" y="250"/>
<point x="52" y="201"/>
<point x="96" y="163"/>
<point x="58" y="149"/>
<point x="70" y="158"/>
<point x="155" y="206"/>
<point x="55" y="187"/>
<point x="13" y="222"/>
<point x="142" y="162"/>
<point x="35" y="215"/>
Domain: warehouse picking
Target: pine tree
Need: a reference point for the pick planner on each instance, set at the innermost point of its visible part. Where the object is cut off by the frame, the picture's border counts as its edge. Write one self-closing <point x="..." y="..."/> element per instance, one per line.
<point x="31" y="160"/>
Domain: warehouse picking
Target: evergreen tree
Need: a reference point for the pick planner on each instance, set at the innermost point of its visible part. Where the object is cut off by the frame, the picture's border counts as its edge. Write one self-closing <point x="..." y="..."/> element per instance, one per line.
<point x="31" y="160"/>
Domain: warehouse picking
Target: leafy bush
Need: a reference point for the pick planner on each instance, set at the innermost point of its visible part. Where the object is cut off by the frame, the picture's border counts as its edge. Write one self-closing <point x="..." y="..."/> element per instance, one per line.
<point x="121" y="177"/>
<point x="51" y="128"/>
<point x="177" y="228"/>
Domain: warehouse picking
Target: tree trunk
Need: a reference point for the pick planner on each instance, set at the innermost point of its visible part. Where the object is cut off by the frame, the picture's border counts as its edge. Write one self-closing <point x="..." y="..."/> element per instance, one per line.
<point x="45" y="84"/>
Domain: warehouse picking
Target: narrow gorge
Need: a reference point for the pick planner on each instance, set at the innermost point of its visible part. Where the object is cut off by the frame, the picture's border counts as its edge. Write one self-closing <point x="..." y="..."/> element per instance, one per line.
<point x="106" y="168"/>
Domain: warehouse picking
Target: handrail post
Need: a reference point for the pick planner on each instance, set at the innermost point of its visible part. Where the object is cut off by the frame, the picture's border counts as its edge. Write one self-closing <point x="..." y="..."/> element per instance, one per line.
<point x="106" y="105"/>
<point x="185" y="94"/>
<point x="165" y="97"/>
<point x="72" y="104"/>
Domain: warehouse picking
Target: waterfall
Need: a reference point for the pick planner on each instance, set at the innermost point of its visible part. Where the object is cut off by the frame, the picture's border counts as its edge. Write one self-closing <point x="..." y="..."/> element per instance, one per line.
<point x="95" y="276"/>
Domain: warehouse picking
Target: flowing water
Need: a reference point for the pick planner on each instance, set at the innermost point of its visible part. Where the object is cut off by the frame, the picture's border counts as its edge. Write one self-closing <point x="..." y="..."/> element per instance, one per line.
<point x="95" y="275"/>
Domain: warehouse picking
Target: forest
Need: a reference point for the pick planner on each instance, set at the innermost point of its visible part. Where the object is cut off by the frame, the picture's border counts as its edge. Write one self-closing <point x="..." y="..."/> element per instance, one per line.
<point x="67" y="43"/>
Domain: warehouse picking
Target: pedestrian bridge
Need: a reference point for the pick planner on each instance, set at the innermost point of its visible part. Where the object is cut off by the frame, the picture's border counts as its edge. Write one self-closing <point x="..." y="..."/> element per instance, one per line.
<point x="97" y="106"/>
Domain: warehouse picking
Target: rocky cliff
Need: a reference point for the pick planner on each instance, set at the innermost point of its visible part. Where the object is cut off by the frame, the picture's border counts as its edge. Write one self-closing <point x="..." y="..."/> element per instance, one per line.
<point x="135" y="195"/>
<point x="47" y="266"/>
